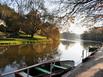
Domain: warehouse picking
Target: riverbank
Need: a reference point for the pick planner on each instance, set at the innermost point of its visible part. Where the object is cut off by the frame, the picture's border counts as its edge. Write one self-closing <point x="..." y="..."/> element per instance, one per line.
<point x="81" y="40"/>
<point x="91" y="68"/>
<point x="19" y="41"/>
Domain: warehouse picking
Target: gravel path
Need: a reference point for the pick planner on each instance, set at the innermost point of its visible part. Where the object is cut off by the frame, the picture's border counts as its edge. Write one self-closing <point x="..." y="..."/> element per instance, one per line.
<point x="91" y="68"/>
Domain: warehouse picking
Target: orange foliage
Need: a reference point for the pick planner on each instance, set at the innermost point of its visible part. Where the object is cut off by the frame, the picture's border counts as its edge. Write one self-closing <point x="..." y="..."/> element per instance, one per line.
<point x="99" y="28"/>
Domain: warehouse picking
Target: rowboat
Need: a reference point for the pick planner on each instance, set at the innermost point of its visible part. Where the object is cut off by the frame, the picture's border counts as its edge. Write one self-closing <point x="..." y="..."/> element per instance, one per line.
<point x="51" y="69"/>
<point x="92" y="49"/>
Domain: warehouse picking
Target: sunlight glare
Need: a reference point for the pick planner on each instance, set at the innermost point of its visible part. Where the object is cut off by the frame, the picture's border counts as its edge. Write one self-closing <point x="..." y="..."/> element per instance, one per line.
<point x="73" y="52"/>
<point x="77" y="29"/>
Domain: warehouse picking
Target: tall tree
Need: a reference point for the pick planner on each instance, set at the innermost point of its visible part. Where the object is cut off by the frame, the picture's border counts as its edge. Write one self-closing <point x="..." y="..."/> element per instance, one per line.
<point x="61" y="10"/>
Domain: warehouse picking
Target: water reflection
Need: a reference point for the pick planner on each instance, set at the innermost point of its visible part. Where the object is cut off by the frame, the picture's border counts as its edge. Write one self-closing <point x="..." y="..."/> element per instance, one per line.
<point x="75" y="51"/>
<point x="15" y="57"/>
<point x="72" y="52"/>
<point x="25" y="55"/>
<point x="8" y="68"/>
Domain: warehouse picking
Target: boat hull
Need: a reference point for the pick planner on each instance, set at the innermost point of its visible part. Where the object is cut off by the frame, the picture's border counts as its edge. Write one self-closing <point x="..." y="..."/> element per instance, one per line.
<point x="53" y="69"/>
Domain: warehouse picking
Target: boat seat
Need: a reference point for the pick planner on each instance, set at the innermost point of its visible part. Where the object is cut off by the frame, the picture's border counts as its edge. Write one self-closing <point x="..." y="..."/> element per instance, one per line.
<point x="43" y="70"/>
<point x="23" y="74"/>
<point x="68" y="65"/>
<point x="57" y="66"/>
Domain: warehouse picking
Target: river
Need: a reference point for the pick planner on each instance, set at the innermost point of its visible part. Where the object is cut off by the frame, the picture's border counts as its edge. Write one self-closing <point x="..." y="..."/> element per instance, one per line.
<point x="14" y="57"/>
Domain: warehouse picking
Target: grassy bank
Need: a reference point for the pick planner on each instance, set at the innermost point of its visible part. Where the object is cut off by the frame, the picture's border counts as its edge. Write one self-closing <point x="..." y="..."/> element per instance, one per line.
<point x="19" y="41"/>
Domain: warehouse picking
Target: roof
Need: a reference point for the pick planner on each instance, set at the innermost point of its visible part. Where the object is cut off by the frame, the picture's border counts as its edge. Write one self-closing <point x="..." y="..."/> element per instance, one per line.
<point x="2" y="22"/>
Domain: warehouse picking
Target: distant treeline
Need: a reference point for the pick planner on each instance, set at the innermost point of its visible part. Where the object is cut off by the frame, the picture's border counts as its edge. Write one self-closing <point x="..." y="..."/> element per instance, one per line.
<point x="94" y="35"/>
<point x="69" y="36"/>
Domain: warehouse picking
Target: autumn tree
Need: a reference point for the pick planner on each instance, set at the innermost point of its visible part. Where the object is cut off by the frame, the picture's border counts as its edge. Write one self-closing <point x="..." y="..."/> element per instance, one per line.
<point x="31" y="23"/>
<point x="11" y="18"/>
<point x="64" y="10"/>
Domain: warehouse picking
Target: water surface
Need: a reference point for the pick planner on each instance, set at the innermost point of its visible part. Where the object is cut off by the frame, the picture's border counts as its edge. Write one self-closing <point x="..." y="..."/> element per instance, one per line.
<point x="16" y="57"/>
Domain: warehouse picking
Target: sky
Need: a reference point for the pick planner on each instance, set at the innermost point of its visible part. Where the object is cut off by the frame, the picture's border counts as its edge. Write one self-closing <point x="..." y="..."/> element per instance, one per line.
<point x="76" y="27"/>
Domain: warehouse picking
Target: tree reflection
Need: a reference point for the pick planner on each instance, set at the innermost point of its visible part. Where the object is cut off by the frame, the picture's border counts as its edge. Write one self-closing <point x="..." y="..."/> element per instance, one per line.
<point x="25" y="55"/>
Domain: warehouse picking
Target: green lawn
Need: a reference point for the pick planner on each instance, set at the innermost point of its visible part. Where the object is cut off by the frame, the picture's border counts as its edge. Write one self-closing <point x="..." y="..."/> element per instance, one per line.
<point x="35" y="36"/>
<point x="19" y="41"/>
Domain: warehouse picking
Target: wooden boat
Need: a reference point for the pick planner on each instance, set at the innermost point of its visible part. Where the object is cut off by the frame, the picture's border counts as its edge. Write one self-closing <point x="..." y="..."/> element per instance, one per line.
<point x="92" y="49"/>
<point x="51" y="69"/>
